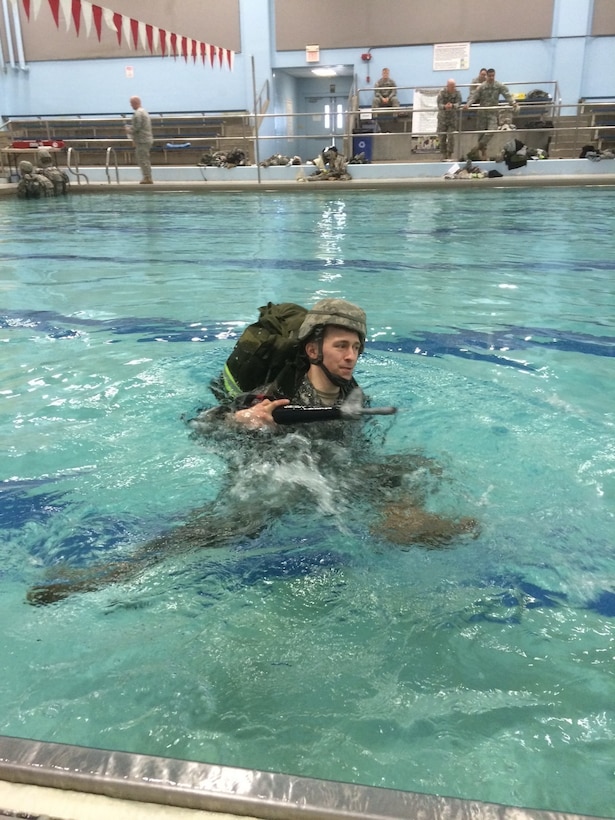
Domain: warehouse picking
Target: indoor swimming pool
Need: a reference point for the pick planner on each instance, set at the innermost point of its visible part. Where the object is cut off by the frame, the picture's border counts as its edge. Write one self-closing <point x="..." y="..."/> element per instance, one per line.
<point x="318" y="646"/>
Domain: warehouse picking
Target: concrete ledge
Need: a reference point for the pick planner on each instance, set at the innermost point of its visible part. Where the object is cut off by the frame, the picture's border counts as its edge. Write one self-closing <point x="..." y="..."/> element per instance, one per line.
<point x="551" y="172"/>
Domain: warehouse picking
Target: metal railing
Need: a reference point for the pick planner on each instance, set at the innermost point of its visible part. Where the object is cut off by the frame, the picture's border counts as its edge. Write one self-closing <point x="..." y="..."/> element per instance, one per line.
<point x="306" y="134"/>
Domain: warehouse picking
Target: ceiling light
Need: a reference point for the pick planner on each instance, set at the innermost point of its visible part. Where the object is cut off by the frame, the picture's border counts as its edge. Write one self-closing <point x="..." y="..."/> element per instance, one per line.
<point x="324" y="72"/>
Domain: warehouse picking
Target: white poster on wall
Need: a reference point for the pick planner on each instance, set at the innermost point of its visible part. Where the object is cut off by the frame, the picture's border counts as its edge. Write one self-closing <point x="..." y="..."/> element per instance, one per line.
<point x="425" y="111"/>
<point x="451" y="56"/>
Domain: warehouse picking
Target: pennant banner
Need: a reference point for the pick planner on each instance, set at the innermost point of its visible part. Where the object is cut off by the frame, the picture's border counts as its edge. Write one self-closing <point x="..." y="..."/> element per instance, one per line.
<point x="30" y="6"/>
<point x="67" y="10"/>
<point x="76" y="11"/>
<point x="97" y="14"/>
<point x="141" y="36"/>
<point x="55" y="10"/>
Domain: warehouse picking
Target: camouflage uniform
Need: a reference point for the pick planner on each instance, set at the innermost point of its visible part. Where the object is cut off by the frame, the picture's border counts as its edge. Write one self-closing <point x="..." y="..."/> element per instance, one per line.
<point x="33" y="185"/>
<point x="46" y="168"/>
<point x="140" y="131"/>
<point x="330" y="165"/>
<point x="385" y="88"/>
<point x="488" y="95"/>
<point x="448" y="120"/>
<point x="475" y="84"/>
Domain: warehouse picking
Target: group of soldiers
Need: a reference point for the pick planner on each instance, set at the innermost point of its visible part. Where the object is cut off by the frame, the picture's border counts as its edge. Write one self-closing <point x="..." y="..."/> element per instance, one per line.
<point x="42" y="180"/>
<point x="485" y="91"/>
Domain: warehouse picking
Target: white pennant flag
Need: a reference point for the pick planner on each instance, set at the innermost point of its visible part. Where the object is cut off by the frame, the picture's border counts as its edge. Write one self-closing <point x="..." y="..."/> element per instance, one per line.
<point x="126" y="31"/>
<point x="87" y="16"/>
<point x="156" y="40"/>
<point x="66" y="6"/>
<point x="143" y="37"/>
<point x="108" y="18"/>
<point x="35" y="7"/>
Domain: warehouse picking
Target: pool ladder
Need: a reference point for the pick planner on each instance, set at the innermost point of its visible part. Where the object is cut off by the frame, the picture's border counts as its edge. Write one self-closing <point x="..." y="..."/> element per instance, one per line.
<point x="69" y="161"/>
<point x="111" y="153"/>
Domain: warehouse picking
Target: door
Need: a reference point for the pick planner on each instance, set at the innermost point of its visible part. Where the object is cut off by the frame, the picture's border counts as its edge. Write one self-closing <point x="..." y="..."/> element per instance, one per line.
<point x="323" y="116"/>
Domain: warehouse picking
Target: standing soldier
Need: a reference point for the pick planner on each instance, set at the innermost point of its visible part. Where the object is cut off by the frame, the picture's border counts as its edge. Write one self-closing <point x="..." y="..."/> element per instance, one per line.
<point x="449" y="103"/>
<point x="140" y="131"/>
<point x="487" y="96"/>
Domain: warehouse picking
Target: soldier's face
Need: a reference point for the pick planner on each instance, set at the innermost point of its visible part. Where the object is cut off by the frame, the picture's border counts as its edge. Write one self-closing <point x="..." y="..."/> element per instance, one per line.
<point x="340" y="351"/>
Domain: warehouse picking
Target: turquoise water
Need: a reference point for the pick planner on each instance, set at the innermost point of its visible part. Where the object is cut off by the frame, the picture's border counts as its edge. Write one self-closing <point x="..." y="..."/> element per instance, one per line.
<point x="484" y="670"/>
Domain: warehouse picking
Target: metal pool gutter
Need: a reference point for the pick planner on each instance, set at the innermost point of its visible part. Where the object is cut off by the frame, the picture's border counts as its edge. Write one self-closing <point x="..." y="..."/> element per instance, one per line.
<point x="242" y="792"/>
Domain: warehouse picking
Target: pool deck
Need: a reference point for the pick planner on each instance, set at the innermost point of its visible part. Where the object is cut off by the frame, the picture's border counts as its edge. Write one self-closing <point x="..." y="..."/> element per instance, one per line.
<point x="414" y="175"/>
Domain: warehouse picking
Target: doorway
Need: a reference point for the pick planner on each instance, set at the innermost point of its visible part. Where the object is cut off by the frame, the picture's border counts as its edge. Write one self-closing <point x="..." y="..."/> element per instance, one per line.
<point x="323" y="105"/>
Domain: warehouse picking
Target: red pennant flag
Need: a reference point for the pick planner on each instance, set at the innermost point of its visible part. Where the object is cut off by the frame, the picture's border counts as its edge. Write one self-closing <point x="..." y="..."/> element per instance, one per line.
<point x="134" y="25"/>
<point x="149" y="33"/>
<point x="55" y="10"/>
<point x="220" y="55"/>
<point x="195" y="46"/>
<point x="229" y="58"/>
<point x="212" y="55"/>
<point x="163" y="42"/>
<point x="26" y="8"/>
<point x="173" y="42"/>
<point x="76" y="8"/>
<point x="203" y="49"/>
<point x="185" y="48"/>
<point x="117" y="22"/>
<point x="97" y="15"/>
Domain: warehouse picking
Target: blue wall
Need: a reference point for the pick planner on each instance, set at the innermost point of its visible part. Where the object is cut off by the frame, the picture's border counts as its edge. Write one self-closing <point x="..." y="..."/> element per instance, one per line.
<point x="101" y="87"/>
<point x="581" y="66"/>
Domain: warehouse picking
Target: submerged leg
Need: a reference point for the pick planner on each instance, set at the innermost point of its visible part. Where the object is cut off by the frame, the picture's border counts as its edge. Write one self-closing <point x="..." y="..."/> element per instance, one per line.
<point x="204" y="529"/>
<point x="405" y="523"/>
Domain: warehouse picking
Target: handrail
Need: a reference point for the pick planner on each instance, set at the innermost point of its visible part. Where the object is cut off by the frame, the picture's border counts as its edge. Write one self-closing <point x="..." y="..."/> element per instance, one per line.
<point x="108" y="153"/>
<point x="511" y="85"/>
<point x="94" y="117"/>
<point x="75" y="171"/>
<point x="303" y="136"/>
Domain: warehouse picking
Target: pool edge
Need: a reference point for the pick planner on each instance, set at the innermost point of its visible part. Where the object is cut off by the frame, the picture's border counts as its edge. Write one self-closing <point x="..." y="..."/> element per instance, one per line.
<point x="413" y="175"/>
<point x="230" y="790"/>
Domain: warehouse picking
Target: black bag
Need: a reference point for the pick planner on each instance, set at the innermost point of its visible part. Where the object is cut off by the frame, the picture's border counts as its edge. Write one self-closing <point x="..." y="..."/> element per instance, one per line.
<point x="515" y="154"/>
<point x="538" y="95"/>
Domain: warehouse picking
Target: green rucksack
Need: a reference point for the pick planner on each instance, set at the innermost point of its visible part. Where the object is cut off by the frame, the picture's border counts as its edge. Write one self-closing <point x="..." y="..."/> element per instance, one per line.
<point x="267" y="350"/>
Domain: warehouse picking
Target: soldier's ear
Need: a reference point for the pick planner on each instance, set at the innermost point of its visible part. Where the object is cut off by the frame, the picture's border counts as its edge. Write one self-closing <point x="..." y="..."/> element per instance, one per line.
<point x="311" y="350"/>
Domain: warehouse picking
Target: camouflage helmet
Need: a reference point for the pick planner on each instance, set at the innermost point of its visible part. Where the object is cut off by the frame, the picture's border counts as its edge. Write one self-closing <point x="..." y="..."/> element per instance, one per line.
<point x="337" y="312"/>
<point x="44" y="157"/>
<point x="25" y="167"/>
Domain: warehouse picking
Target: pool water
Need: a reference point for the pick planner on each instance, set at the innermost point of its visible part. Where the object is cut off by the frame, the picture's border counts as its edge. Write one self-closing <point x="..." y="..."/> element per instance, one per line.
<point x="484" y="670"/>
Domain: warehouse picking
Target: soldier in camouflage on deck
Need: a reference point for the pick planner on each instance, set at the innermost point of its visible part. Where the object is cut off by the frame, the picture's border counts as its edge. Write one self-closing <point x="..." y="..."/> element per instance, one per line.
<point x="449" y="103"/>
<point x="140" y="132"/>
<point x="488" y="96"/>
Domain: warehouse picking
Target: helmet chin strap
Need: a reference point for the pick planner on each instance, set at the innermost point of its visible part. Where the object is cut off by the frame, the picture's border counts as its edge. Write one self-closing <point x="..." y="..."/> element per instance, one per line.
<point x="338" y="381"/>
